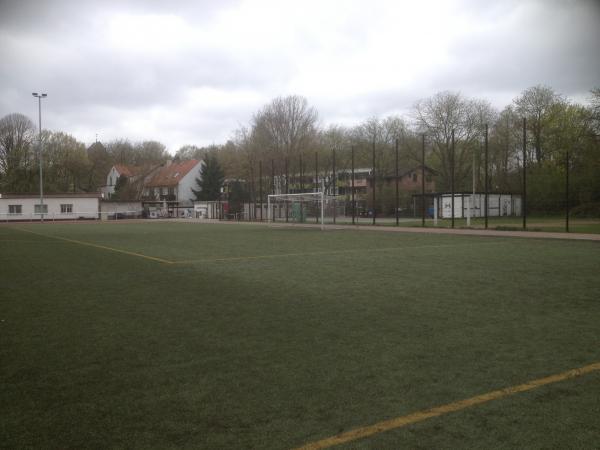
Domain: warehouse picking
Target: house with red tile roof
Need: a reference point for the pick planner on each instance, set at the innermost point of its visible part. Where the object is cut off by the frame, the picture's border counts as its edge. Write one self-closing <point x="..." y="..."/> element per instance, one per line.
<point x="173" y="182"/>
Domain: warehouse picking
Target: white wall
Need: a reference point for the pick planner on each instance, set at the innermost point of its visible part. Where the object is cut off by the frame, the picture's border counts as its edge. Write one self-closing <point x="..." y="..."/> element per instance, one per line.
<point x="127" y="209"/>
<point x="498" y="205"/>
<point x="83" y="207"/>
<point x="185" y="196"/>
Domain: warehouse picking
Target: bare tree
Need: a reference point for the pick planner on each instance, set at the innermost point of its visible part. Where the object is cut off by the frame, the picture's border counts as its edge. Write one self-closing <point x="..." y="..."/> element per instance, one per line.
<point x="438" y="117"/>
<point x="505" y="149"/>
<point x="285" y="127"/>
<point x="538" y="105"/>
<point x="595" y="111"/>
<point x="66" y="163"/>
<point x="17" y="133"/>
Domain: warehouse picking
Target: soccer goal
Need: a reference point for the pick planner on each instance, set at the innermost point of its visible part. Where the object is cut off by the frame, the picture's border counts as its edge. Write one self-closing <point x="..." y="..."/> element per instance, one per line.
<point x="304" y="207"/>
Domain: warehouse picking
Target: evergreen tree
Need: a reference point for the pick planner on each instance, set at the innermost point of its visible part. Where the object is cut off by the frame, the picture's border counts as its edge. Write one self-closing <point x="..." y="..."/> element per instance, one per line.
<point x="238" y="195"/>
<point x="120" y="187"/>
<point x="211" y="179"/>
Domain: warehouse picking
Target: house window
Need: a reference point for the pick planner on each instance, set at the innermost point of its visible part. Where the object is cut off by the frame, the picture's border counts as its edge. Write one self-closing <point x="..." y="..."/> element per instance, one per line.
<point x="110" y="181"/>
<point x="40" y="209"/>
<point x="15" y="209"/>
<point x="66" y="208"/>
<point x="414" y="177"/>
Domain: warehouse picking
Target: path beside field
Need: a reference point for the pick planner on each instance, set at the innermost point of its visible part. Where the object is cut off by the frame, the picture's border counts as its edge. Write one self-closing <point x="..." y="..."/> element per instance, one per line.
<point x="430" y="230"/>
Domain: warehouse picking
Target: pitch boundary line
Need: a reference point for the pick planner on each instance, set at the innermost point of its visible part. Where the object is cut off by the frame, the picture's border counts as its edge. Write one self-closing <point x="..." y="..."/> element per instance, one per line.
<point x="419" y="416"/>
<point x="103" y="247"/>
<point x="331" y="252"/>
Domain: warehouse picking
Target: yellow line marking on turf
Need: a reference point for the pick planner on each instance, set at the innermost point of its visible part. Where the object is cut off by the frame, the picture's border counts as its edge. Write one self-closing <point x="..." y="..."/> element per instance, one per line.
<point x="330" y="252"/>
<point x="103" y="247"/>
<point x="420" y="416"/>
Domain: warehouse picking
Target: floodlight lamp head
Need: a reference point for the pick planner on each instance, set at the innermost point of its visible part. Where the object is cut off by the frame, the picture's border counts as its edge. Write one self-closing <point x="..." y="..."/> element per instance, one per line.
<point x="35" y="94"/>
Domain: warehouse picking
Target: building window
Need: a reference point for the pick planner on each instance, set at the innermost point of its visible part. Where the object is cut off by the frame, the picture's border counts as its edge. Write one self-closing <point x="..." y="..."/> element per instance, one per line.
<point x="15" y="209"/>
<point x="40" y="209"/>
<point x="110" y="181"/>
<point x="414" y="177"/>
<point x="66" y="208"/>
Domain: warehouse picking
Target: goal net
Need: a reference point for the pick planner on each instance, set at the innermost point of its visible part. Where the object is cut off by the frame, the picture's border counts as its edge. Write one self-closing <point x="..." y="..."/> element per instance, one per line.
<point x="306" y="207"/>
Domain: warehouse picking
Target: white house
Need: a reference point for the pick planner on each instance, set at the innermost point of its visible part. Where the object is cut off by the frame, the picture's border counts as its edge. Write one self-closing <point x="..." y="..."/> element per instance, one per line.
<point x="26" y="207"/>
<point x="174" y="182"/>
<point x="115" y="172"/>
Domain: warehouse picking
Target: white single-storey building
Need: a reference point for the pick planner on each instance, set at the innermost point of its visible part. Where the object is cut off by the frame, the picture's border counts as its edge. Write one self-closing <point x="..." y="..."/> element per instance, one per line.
<point x="498" y="205"/>
<point x="27" y="207"/>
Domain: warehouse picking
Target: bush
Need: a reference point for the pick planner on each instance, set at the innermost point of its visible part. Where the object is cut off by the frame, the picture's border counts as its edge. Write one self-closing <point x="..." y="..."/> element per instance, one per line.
<point x="587" y="210"/>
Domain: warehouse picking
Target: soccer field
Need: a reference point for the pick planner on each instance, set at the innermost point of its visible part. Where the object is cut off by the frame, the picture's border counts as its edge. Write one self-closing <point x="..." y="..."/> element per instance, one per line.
<point x="164" y="335"/>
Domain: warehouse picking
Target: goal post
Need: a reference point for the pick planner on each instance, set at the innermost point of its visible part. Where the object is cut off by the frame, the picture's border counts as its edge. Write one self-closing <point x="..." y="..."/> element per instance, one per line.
<point x="297" y="201"/>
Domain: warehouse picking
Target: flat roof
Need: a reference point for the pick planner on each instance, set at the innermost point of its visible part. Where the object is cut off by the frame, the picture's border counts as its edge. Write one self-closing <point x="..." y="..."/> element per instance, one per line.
<point x="64" y="195"/>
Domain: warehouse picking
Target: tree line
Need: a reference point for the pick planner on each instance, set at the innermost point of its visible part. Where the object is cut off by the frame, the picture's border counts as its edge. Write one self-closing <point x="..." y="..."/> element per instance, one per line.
<point x="288" y="132"/>
<point x="285" y="135"/>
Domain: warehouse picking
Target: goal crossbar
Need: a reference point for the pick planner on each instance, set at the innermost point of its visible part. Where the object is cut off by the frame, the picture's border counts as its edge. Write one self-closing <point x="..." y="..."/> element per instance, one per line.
<point x="318" y="196"/>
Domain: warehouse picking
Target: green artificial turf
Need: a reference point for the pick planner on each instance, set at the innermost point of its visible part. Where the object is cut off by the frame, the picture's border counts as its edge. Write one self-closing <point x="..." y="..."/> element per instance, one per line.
<point x="257" y="337"/>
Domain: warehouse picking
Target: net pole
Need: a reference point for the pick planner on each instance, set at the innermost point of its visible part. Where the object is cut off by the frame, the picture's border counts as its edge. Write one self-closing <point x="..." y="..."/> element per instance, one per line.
<point x="353" y="202"/>
<point x="252" y="211"/>
<point x="273" y="182"/>
<point x="423" y="182"/>
<point x="286" y="191"/>
<point x="260" y="190"/>
<point x="373" y="178"/>
<point x="452" y="176"/>
<point x="334" y="185"/>
<point x="301" y="190"/>
<point x="567" y="192"/>
<point x="486" y="176"/>
<point x="397" y="191"/>
<point x="316" y="179"/>
<point x="524" y="173"/>
<point x="323" y="208"/>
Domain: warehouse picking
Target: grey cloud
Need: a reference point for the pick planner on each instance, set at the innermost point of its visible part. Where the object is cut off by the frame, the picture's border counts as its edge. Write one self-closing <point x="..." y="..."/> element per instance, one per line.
<point x="59" y="47"/>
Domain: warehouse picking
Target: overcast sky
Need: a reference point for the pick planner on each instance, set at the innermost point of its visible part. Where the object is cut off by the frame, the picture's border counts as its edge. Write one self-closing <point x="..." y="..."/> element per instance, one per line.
<point x="192" y="72"/>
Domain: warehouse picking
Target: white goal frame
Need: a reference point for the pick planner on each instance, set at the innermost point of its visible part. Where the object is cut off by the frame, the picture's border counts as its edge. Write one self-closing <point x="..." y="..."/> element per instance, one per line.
<point x="295" y="197"/>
